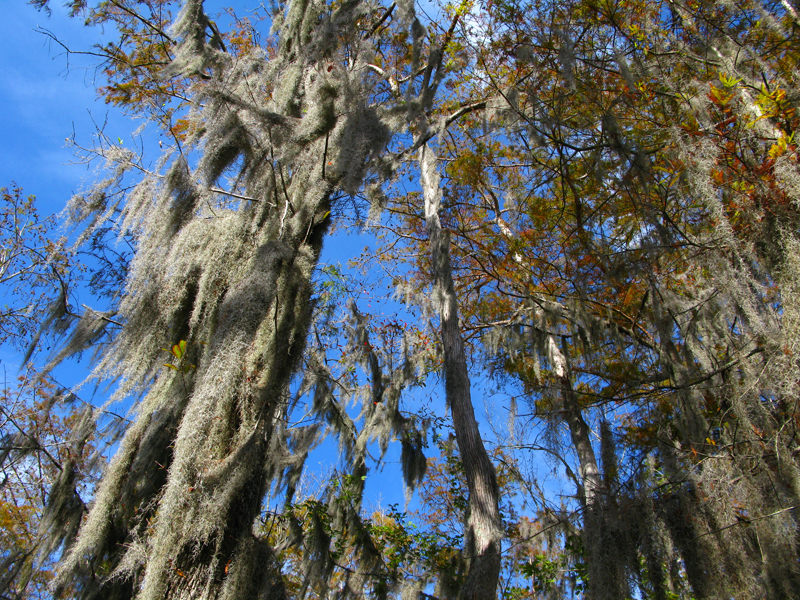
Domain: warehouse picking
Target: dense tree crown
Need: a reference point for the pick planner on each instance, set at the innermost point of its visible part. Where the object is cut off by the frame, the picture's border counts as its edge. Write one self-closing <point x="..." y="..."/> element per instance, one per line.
<point x="594" y="205"/>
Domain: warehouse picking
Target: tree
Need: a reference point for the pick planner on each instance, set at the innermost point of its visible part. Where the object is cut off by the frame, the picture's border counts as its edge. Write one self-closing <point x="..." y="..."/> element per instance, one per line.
<point x="613" y="246"/>
<point x="52" y="452"/>
<point x="243" y="311"/>
<point x="607" y="219"/>
<point x="609" y="214"/>
<point x="51" y="443"/>
<point x="35" y="270"/>
<point x="25" y="488"/>
<point x="538" y="560"/>
<point x="294" y="136"/>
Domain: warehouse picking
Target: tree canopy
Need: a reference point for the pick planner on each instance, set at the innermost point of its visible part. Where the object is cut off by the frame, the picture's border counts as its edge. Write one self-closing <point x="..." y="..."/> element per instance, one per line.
<point x="592" y="204"/>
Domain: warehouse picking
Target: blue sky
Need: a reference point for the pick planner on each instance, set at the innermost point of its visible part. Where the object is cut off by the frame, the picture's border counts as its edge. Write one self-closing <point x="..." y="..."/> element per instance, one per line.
<point x="40" y="101"/>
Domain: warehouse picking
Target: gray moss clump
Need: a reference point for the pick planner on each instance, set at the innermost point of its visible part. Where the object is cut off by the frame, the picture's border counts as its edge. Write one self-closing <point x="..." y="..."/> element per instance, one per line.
<point x="175" y="513"/>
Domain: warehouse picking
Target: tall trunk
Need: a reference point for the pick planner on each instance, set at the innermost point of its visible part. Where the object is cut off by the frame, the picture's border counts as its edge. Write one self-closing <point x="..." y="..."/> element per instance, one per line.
<point x="604" y="556"/>
<point x="238" y="436"/>
<point x="484" y="526"/>
<point x="578" y="429"/>
<point x="183" y="523"/>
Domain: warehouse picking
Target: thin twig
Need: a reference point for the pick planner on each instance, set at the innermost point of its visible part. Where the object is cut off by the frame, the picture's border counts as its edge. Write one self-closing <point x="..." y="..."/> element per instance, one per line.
<point x="749" y="520"/>
<point x="217" y="190"/>
<point x="381" y="21"/>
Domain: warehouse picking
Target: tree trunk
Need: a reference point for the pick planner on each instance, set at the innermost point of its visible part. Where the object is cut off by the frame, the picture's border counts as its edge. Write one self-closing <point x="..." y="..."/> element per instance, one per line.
<point x="242" y="274"/>
<point x="605" y="556"/>
<point x="484" y="526"/>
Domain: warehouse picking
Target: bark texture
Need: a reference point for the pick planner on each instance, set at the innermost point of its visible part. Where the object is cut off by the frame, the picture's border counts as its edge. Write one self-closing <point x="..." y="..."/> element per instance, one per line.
<point x="484" y="526"/>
